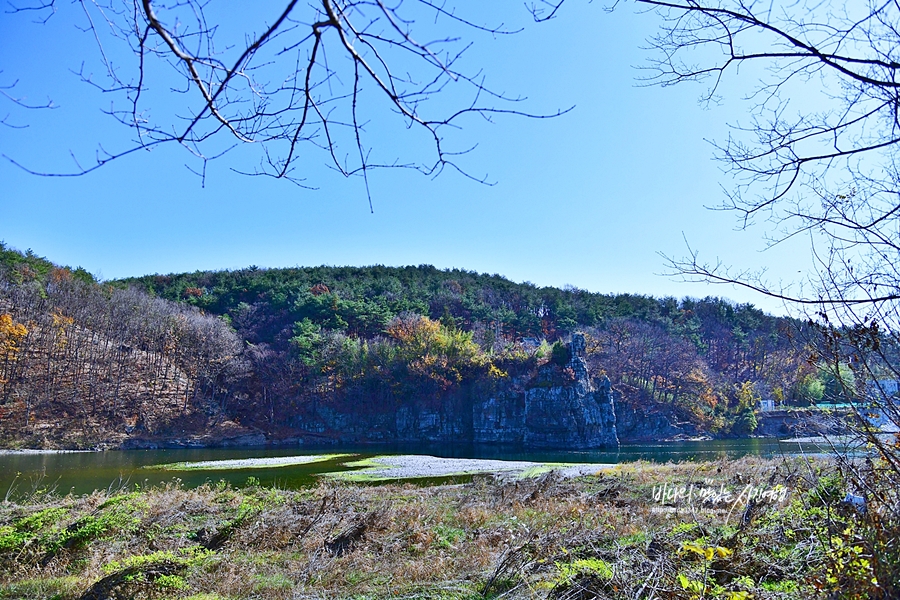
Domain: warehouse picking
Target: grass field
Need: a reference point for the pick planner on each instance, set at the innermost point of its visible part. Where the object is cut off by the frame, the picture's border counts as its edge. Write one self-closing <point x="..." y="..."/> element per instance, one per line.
<point x="732" y="529"/>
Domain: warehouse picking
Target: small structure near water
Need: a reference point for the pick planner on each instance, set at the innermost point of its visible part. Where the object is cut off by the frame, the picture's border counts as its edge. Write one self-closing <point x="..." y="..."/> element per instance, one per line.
<point x="766" y="405"/>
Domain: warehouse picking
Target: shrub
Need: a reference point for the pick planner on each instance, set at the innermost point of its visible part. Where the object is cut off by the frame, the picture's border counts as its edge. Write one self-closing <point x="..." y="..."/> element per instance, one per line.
<point x="559" y="354"/>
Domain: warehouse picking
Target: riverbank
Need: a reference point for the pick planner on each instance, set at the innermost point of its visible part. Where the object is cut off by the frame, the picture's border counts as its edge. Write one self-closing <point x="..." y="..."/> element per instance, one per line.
<point x="760" y="527"/>
<point x="302" y="466"/>
<point x="28" y="451"/>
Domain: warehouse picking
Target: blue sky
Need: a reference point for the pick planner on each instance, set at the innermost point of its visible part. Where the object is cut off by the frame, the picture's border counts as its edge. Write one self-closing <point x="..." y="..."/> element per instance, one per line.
<point x="587" y="199"/>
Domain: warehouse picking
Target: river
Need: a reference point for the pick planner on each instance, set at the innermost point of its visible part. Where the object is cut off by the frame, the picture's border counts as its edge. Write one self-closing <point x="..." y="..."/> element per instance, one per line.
<point x="83" y="472"/>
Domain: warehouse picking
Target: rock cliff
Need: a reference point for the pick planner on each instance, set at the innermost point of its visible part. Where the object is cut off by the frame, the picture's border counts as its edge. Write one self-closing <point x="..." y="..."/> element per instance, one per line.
<point x="575" y="415"/>
<point x="652" y="423"/>
<point x="560" y="408"/>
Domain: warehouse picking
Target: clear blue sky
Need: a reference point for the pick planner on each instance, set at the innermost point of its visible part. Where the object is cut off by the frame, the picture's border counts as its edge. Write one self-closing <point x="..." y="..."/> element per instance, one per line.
<point x="588" y="199"/>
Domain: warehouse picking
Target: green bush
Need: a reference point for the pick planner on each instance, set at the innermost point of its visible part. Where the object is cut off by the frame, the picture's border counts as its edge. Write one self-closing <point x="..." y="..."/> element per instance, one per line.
<point x="559" y="354"/>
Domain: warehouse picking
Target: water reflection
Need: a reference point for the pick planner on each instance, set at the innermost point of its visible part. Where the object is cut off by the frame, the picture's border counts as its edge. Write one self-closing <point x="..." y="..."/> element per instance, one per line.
<point x="83" y="472"/>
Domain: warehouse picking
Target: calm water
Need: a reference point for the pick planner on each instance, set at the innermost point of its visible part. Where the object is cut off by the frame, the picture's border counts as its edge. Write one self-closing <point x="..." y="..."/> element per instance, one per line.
<point x="83" y="472"/>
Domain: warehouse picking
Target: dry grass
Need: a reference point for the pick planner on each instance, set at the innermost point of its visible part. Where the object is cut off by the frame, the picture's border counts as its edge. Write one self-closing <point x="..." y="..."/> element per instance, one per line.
<point x="601" y="536"/>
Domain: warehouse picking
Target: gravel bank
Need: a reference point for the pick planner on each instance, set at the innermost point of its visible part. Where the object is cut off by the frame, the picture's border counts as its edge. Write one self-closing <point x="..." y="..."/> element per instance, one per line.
<point x="413" y="466"/>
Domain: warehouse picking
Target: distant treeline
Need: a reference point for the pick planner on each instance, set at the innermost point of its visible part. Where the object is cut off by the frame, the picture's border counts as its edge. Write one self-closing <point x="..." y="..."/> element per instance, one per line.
<point x="711" y="359"/>
<point x="261" y="346"/>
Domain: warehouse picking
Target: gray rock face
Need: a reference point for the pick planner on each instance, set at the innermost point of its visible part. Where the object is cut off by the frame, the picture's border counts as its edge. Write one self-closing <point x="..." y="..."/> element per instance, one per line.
<point x="499" y="419"/>
<point x="552" y="413"/>
<point x="430" y="424"/>
<point x="561" y="409"/>
<point x="651" y="424"/>
<point x="575" y="415"/>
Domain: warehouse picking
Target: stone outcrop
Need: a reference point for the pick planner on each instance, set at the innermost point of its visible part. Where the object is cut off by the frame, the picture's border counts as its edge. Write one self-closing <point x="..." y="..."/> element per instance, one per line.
<point x="499" y="419"/>
<point x="575" y="415"/>
<point x="560" y="408"/>
<point x="428" y="424"/>
<point x="652" y="423"/>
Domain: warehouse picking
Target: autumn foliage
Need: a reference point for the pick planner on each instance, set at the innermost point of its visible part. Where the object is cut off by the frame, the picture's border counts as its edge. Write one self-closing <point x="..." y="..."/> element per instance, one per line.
<point x="81" y="363"/>
<point x="272" y="348"/>
<point x="11" y="336"/>
<point x="431" y="350"/>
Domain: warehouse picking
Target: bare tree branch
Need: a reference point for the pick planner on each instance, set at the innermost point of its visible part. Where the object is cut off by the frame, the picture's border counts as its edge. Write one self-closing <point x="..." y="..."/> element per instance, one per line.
<point x="829" y="173"/>
<point x="309" y="82"/>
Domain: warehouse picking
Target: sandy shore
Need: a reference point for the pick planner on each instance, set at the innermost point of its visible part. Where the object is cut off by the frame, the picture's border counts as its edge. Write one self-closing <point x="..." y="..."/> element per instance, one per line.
<point x="414" y="466"/>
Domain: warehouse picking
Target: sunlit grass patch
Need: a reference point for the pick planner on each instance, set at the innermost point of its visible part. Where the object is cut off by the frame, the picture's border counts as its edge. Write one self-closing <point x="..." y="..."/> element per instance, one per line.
<point x="40" y="588"/>
<point x="542" y="469"/>
<point x="276" y="581"/>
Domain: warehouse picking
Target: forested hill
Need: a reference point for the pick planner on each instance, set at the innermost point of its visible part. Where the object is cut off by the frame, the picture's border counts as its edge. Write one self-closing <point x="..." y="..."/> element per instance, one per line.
<point x="84" y="364"/>
<point x="361" y="301"/>
<point x="294" y="353"/>
<point x="708" y="360"/>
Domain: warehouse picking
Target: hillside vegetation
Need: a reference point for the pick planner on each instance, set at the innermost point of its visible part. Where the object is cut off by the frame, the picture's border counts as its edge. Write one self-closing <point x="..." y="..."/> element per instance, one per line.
<point x="380" y="331"/>
<point x="83" y="363"/>
<point x="769" y="530"/>
<point x="163" y="356"/>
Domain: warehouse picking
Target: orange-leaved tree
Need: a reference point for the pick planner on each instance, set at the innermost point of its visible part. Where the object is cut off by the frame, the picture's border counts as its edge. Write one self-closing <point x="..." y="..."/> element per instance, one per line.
<point x="440" y="353"/>
<point x="11" y="336"/>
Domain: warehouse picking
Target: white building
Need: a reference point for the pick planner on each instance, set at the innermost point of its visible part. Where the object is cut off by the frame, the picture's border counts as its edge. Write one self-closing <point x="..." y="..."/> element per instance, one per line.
<point x="766" y="405"/>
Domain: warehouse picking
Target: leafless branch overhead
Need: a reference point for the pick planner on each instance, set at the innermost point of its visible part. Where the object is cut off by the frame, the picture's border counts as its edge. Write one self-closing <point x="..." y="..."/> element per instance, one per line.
<point x="309" y="76"/>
